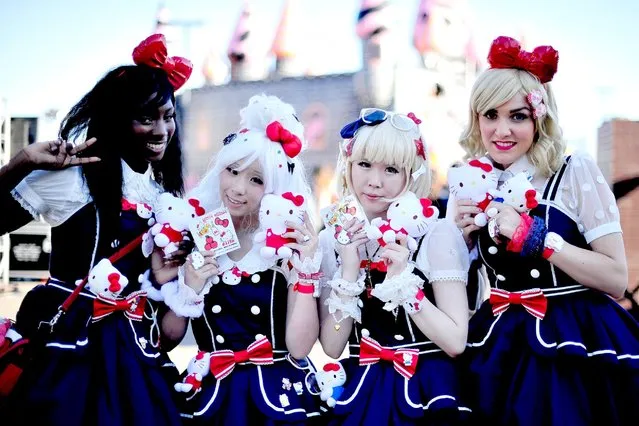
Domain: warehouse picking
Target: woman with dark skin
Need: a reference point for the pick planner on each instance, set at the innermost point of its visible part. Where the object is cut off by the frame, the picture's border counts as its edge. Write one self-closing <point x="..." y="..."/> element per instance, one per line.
<point x="98" y="197"/>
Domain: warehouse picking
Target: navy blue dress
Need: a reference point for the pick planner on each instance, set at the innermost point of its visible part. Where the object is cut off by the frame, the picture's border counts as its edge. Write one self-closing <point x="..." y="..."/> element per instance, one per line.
<point x="378" y="394"/>
<point x="579" y="365"/>
<point x="109" y="372"/>
<point x="235" y="316"/>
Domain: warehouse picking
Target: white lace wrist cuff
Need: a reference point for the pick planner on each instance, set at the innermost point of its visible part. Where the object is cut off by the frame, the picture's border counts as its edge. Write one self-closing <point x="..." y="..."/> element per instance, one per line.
<point x="147" y="285"/>
<point x="348" y="288"/>
<point x="182" y="299"/>
<point x="398" y="289"/>
<point x="310" y="265"/>
<point x="342" y="307"/>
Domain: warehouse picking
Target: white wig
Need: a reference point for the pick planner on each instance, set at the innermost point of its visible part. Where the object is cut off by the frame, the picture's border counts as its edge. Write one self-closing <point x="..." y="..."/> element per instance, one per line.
<point x="281" y="173"/>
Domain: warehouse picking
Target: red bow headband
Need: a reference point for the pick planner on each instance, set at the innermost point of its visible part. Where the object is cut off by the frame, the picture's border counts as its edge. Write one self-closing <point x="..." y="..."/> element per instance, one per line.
<point x="152" y="53"/>
<point x="291" y="144"/>
<point x="506" y="52"/>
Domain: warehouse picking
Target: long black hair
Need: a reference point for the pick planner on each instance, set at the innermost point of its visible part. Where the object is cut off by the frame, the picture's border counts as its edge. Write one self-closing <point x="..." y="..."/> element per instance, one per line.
<point x="107" y="113"/>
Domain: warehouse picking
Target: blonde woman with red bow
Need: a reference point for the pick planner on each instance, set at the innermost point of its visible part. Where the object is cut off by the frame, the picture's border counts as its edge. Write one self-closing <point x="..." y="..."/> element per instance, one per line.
<point x="98" y="358"/>
<point x="550" y="346"/>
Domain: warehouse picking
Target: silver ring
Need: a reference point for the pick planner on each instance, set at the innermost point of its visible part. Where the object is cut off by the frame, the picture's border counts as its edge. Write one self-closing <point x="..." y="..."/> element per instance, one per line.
<point x="306" y="238"/>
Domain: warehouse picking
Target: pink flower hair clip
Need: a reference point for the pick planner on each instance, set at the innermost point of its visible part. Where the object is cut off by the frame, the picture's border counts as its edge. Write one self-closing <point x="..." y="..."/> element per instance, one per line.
<point x="536" y="101"/>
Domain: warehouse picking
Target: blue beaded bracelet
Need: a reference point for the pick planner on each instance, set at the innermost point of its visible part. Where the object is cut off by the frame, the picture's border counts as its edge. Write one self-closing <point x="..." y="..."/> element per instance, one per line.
<point x="534" y="244"/>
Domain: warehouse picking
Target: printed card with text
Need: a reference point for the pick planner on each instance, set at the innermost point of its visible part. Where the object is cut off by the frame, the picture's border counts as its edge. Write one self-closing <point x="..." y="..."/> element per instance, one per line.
<point x="215" y="231"/>
<point x="336" y="215"/>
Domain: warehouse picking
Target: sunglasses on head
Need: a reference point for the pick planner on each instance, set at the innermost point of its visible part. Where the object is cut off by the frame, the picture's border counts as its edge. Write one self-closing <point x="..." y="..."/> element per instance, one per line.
<point x="375" y="116"/>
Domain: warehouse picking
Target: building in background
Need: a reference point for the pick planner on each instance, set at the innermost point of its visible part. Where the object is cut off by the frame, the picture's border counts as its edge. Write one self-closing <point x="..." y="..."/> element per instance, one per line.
<point x="434" y="87"/>
<point x="618" y="158"/>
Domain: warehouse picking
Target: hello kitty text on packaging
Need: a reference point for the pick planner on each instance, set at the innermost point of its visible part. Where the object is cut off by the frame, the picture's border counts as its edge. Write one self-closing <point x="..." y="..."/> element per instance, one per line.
<point x="215" y="231"/>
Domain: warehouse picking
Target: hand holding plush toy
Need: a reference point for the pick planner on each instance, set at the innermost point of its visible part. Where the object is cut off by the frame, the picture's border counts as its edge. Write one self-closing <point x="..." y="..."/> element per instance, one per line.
<point x="275" y="211"/>
<point x="518" y="193"/>
<point x="198" y="368"/>
<point x="476" y="181"/>
<point x="173" y="216"/>
<point x="407" y="215"/>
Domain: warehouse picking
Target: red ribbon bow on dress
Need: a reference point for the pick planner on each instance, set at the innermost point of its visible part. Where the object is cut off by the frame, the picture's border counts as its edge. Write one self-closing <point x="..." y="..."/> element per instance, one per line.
<point x="404" y="360"/>
<point x="380" y="265"/>
<point x="291" y="144"/>
<point x="127" y="205"/>
<point x="152" y="53"/>
<point x="223" y="362"/>
<point x="533" y="300"/>
<point x="132" y="306"/>
<point x="506" y="52"/>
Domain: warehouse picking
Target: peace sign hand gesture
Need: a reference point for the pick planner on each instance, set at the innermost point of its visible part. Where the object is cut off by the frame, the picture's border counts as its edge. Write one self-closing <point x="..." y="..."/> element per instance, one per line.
<point x="58" y="154"/>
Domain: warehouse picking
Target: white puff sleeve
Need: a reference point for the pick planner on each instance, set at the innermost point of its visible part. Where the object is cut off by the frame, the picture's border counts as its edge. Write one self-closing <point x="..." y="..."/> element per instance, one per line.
<point x="443" y="255"/>
<point x="588" y="197"/>
<point x="54" y="195"/>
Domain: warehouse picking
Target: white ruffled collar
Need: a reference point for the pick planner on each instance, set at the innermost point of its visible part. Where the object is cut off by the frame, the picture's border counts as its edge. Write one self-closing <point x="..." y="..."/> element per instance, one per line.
<point x="251" y="263"/>
<point x="139" y="187"/>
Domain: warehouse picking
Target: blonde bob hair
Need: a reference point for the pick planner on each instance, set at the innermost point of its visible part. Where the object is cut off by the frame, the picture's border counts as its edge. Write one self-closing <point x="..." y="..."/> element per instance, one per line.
<point x="383" y="143"/>
<point x="493" y="88"/>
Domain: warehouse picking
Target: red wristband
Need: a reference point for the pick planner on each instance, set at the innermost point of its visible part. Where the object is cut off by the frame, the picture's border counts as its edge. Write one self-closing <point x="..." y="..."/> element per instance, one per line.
<point x="304" y="288"/>
<point x="519" y="236"/>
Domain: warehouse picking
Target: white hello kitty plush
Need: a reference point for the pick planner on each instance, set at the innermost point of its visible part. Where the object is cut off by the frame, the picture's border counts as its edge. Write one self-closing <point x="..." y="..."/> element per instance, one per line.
<point x="407" y="215"/>
<point x="198" y="368"/>
<point x="173" y="216"/>
<point x="275" y="210"/>
<point x="518" y="193"/>
<point x="331" y="381"/>
<point x="475" y="181"/>
<point x="105" y="280"/>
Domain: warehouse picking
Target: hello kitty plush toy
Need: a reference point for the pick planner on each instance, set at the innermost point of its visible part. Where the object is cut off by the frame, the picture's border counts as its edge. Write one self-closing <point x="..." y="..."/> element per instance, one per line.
<point x="198" y="368"/>
<point x="331" y="381"/>
<point x="407" y="215"/>
<point x="275" y="210"/>
<point x="105" y="280"/>
<point x="476" y="181"/>
<point x="518" y="193"/>
<point x="173" y="216"/>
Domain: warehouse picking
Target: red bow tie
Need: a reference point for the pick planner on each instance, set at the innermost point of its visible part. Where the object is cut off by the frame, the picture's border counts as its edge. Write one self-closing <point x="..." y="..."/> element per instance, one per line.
<point x="534" y="301"/>
<point x="132" y="306"/>
<point x="404" y="360"/>
<point x="223" y="362"/>
<point x="378" y="266"/>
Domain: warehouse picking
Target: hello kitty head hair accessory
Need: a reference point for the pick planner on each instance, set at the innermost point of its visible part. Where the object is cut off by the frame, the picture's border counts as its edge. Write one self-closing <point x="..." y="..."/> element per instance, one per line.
<point x="536" y="101"/>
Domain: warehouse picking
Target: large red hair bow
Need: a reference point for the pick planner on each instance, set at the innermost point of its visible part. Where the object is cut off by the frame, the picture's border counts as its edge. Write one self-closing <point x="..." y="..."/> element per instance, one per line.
<point x="506" y="52"/>
<point x="290" y="143"/>
<point x="152" y="53"/>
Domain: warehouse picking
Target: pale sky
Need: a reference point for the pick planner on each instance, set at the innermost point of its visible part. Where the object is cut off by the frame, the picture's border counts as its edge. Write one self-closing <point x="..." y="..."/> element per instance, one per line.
<point x="55" y="51"/>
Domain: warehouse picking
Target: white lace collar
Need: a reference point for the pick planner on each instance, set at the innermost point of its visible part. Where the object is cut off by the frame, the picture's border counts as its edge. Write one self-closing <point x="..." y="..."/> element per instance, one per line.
<point x="251" y="263"/>
<point x="139" y="187"/>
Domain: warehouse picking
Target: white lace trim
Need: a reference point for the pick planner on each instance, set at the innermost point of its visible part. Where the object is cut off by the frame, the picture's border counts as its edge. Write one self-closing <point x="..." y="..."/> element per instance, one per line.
<point x="146" y="285"/>
<point x="140" y="187"/>
<point x="25" y="205"/>
<point x="448" y="275"/>
<point x="399" y="289"/>
<point x="347" y="306"/>
<point x="251" y="263"/>
<point x="182" y="299"/>
<point x="347" y="288"/>
<point x="309" y="265"/>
